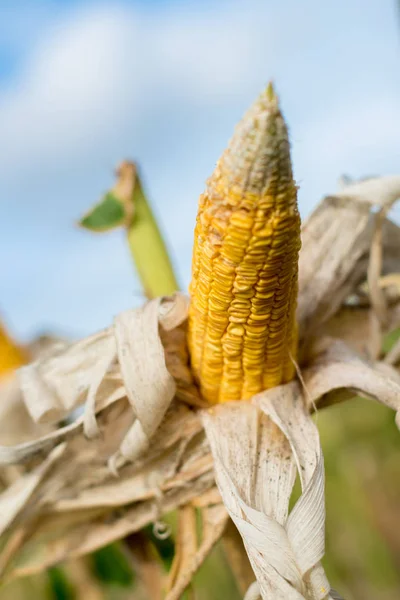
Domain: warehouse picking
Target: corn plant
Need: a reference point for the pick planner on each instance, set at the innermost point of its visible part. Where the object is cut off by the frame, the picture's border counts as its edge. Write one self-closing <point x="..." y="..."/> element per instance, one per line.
<point x="204" y="404"/>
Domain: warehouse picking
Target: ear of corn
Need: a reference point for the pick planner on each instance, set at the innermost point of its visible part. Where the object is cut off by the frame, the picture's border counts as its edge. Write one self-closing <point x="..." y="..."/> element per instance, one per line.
<point x="242" y="329"/>
<point x="11" y="356"/>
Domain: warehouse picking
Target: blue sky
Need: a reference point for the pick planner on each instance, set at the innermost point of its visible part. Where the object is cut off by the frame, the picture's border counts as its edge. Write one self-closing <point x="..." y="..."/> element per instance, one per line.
<point x="86" y="84"/>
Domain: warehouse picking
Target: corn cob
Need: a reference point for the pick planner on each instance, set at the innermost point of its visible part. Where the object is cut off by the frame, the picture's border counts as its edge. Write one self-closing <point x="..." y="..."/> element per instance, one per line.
<point x="11" y="355"/>
<point x="242" y="328"/>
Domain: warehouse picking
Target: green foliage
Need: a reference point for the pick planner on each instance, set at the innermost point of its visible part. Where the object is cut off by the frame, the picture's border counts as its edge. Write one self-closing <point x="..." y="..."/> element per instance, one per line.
<point x="148" y="249"/>
<point x="362" y="462"/>
<point x="112" y="566"/>
<point x="389" y="340"/>
<point x="60" y="587"/>
<point x="165" y="548"/>
<point x="214" y="579"/>
<point x="106" y="215"/>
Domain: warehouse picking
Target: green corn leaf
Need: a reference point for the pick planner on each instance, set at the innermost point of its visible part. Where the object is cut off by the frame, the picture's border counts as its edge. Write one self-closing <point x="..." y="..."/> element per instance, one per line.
<point x="108" y="214"/>
<point x="127" y="205"/>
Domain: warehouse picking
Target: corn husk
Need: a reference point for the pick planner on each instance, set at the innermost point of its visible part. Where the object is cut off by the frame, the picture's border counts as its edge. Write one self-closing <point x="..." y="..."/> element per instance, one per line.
<point x="144" y="445"/>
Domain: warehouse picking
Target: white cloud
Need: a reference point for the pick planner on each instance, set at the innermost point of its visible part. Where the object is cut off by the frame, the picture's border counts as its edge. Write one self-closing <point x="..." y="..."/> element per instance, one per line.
<point x="105" y="68"/>
<point x="105" y="73"/>
<point x="69" y="96"/>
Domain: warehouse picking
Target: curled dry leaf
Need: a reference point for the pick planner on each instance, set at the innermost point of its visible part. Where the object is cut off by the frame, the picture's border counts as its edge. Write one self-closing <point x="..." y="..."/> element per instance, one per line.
<point x="190" y="554"/>
<point x="275" y="436"/>
<point x="336" y="368"/>
<point x="16" y="424"/>
<point x="16" y="497"/>
<point x="253" y="593"/>
<point x="358" y="327"/>
<point x="336" y="243"/>
<point x="146" y="564"/>
<point x="141" y="416"/>
<point x="86" y="585"/>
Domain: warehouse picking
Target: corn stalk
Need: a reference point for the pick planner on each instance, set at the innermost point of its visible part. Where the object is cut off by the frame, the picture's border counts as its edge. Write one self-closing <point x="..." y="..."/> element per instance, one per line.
<point x="127" y="205"/>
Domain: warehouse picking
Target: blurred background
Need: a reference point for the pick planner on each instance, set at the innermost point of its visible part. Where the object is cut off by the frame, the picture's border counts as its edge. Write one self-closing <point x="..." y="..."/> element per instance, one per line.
<point x="85" y="84"/>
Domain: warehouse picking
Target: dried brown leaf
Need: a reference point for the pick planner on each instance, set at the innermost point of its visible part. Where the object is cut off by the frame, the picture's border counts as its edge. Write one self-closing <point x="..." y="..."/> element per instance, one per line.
<point x="85" y="584"/>
<point x="358" y="327"/>
<point x="334" y="258"/>
<point x="147" y="564"/>
<point x="15" y="498"/>
<point x="136" y="417"/>
<point x="336" y="368"/>
<point x="256" y="485"/>
<point x="190" y="554"/>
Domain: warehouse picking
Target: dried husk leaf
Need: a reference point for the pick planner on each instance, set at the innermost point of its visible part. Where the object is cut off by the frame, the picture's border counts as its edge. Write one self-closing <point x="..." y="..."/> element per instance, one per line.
<point x="146" y="564"/>
<point x="257" y="482"/>
<point x="337" y="368"/>
<point x="393" y="356"/>
<point x="190" y="554"/>
<point x="16" y="497"/>
<point x="16" y="424"/>
<point x="377" y="191"/>
<point x="75" y="515"/>
<point x="86" y="585"/>
<point x="336" y="243"/>
<point x="358" y="327"/>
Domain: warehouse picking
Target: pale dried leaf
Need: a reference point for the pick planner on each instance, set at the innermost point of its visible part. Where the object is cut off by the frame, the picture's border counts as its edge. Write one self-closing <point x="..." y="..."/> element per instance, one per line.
<point x="173" y="310"/>
<point x="82" y="372"/>
<point x="86" y="512"/>
<point x="256" y="485"/>
<point x="52" y="388"/>
<point x="334" y="258"/>
<point x="358" y="327"/>
<point x="16" y="424"/>
<point x="146" y="564"/>
<point x="393" y="356"/>
<point x="336" y="367"/>
<point x="305" y="525"/>
<point x="377" y="191"/>
<point x="86" y="585"/>
<point x="190" y="555"/>
<point x="149" y="386"/>
<point x="253" y="592"/>
<point x="211" y="496"/>
<point x="70" y="535"/>
<point x="90" y="426"/>
<point x="388" y="193"/>
<point x="14" y="499"/>
<point x="185" y="547"/>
